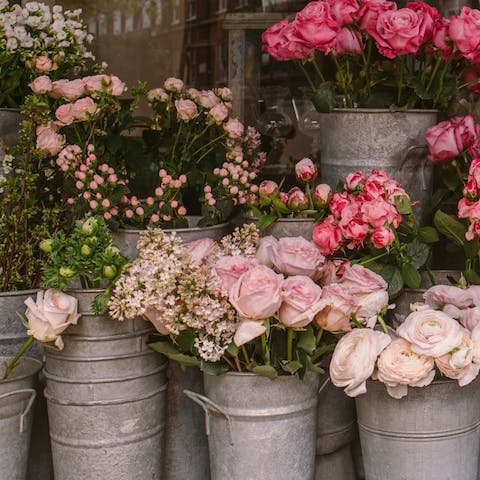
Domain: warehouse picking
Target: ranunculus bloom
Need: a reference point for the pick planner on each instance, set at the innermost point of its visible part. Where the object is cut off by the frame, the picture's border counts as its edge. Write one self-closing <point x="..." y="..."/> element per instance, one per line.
<point x="44" y="64"/>
<point x="234" y="128"/>
<point x="322" y="195"/>
<point x="65" y="114"/>
<point x="41" y="84"/>
<point x="230" y="269"/>
<point x="458" y="365"/>
<point x="297" y="256"/>
<point x="354" y="357"/>
<point x="154" y="316"/>
<point x="336" y="308"/>
<point x="370" y="306"/>
<point x="441" y="295"/>
<point x="248" y="330"/>
<point x="50" y="315"/>
<point x="49" y="141"/>
<point x="256" y="295"/>
<point x="327" y="237"/>
<point x="265" y="248"/>
<point x="186" y="109"/>
<point x="300" y="301"/>
<point x="84" y="109"/>
<point x="431" y="332"/>
<point x="399" y="367"/>
<point x="474" y="291"/>
<point x="173" y="84"/>
<point x="371" y="9"/>
<point x="345" y="12"/>
<point x="297" y="200"/>
<point x="200" y="249"/>
<point x="306" y="171"/>
<point x="381" y="237"/>
<point x="469" y="318"/>
<point x="464" y="30"/>
<point x="68" y="89"/>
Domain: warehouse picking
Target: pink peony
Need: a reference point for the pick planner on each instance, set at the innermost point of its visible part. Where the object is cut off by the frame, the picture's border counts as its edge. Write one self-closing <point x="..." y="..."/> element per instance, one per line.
<point x="219" y="113"/>
<point x="297" y="200"/>
<point x="268" y="188"/>
<point x="158" y="94"/>
<point x="354" y="181"/>
<point x="322" y="195"/>
<point x="382" y="237"/>
<point x="379" y="212"/>
<point x="306" y="171"/>
<point x="173" y="84"/>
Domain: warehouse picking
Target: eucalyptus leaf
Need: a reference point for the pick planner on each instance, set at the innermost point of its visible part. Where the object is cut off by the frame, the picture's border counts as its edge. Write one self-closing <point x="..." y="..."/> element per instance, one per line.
<point x="265" y="371"/>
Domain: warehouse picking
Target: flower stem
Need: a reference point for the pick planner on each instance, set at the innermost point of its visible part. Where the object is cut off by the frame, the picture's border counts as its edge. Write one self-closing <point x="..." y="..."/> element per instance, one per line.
<point x="10" y="366"/>
<point x="308" y="192"/>
<point x="434" y="74"/>
<point x="208" y="144"/>
<point x="290" y="333"/>
<point x="319" y="336"/>
<point x="177" y="136"/>
<point x="370" y="260"/>
<point x="382" y="324"/>
<point x="317" y="69"/>
<point x="343" y="80"/>
<point x="265" y="352"/>
<point x="307" y="76"/>
<point x="442" y="77"/>
<point x="246" y="357"/>
<point x="237" y="363"/>
<point x="400" y="81"/>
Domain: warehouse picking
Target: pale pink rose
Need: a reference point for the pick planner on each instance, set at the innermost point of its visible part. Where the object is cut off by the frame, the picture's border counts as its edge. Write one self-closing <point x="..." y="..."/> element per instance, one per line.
<point x="49" y="126"/>
<point x="331" y="271"/>
<point x="297" y="200"/>
<point x="200" y="249"/>
<point x="192" y="93"/>
<point x="344" y="12"/>
<point x="474" y="291"/>
<point x="234" y="128"/>
<point x="370" y="306"/>
<point x="469" y="317"/>
<point x="336" y="309"/>
<point x="265" y="248"/>
<point x="359" y="280"/>
<point x="400" y="367"/>
<point x="44" y="64"/>
<point x="464" y="30"/>
<point x="51" y="313"/>
<point x="155" y="316"/>
<point x="370" y="11"/>
<point x="306" y="171"/>
<point x="65" y="114"/>
<point x="354" y="181"/>
<point x="207" y="99"/>
<point x="68" y="89"/>
<point x="256" y="295"/>
<point x="475" y="337"/>
<point x="327" y="237"/>
<point x="382" y="237"/>
<point x="440" y="295"/>
<point x="300" y="301"/>
<point x="458" y="364"/>
<point x="379" y="212"/>
<point x="173" y="85"/>
<point x="116" y="87"/>
<point x="347" y="42"/>
<point x="219" y="113"/>
<point x="248" y="330"/>
<point x="297" y="256"/>
<point x="268" y="188"/>
<point x="49" y="141"/>
<point x="224" y="93"/>
<point x="230" y="269"/>
<point x="157" y="94"/>
<point x="96" y="83"/>
<point x="84" y="109"/>
<point x="354" y="357"/>
<point x="186" y="109"/>
<point x="322" y="195"/>
<point x="431" y="332"/>
<point x="41" y="84"/>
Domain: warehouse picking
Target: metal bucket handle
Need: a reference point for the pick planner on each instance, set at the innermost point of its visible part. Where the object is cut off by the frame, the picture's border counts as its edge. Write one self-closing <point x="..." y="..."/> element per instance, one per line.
<point x="27" y="409"/>
<point x="424" y="166"/>
<point x="324" y="384"/>
<point x="208" y="405"/>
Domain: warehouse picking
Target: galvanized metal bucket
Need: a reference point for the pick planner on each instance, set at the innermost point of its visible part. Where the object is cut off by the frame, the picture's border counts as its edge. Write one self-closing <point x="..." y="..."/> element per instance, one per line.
<point x="335" y="433"/>
<point x="106" y="393"/>
<point x="287" y="227"/>
<point x="377" y="139"/>
<point x="432" y="433"/>
<point x="17" y="396"/>
<point x="260" y="428"/>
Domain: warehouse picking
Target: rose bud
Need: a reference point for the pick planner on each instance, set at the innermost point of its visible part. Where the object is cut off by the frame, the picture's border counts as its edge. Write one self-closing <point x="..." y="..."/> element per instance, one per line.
<point x="297" y="200"/>
<point x="322" y="195"/>
<point x="268" y="188"/>
<point x="306" y="171"/>
<point x="46" y="245"/>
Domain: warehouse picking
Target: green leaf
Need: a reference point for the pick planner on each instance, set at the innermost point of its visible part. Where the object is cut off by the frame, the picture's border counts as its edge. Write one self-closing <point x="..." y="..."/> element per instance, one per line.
<point x="471" y="248"/>
<point x="233" y="350"/>
<point x="214" y="369"/>
<point x="265" y="371"/>
<point x="292" y="366"/>
<point x="185" y="340"/>
<point x="417" y="253"/>
<point x="172" y="353"/>
<point x="163" y="347"/>
<point x="185" y="360"/>
<point x="410" y="275"/>
<point x="325" y="98"/>
<point x="312" y="367"/>
<point x="472" y="277"/>
<point x="392" y="275"/>
<point x="451" y="228"/>
<point x="428" y="234"/>
<point x="265" y="221"/>
<point x="306" y="340"/>
<point x="403" y="204"/>
<point x="280" y="207"/>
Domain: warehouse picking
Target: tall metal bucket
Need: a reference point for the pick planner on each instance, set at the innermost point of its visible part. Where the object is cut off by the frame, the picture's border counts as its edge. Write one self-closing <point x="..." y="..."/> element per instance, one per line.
<point x="432" y="433"/>
<point x="287" y="227"/>
<point x="17" y="395"/>
<point x="335" y="433"/>
<point x="377" y="139"/>
<point x="260" y="428"/>
<point x="106" y="393"/>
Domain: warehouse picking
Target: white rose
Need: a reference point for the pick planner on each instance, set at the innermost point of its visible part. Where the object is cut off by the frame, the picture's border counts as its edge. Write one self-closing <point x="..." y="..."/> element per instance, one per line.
<point x="400" y="367"/>
<point x="370" y="306"/>
<point x="431" y="332"/>
<point x="50" y="315"/>
<point x="354" y="358"/>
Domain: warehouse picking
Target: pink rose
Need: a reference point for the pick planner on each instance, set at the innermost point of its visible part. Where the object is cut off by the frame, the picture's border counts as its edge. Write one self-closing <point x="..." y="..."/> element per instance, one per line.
<point x="339" y="202"/>
<point x="306" y="171"/>
<point x="49" y="141"/>
<point x="44" y="64"/>
<point x="186" y="109"/>
<point x="65" y="114"/>
<point x="440" y="295"/>
<point x="370" y="11"/>
<point x="266" y="246"/>
<point x="398" y="32"/>
<point x="219" y="113"/>
<point x="347" y="42"/>
<point x="431" y="332"/>
<point x="248" y="330"/>
<point x="379" y="212"/>
<point x="354" y="181"/>
<point x="116" y="87"/>
<point x="322" y="195"/>
<point x="268" y="188"/>
<point x="381" y="237"/>
<point x="331" y="272"/>
<point x="471" y="77"/>
<point x="68" y="89"/>
<point x="358" y="280"/>
<point x="173" y="85"/>
<point x="336" y="309"/>
<point x="301" y="301"/>
<point x="158" y="94"/>
<point x="297" y="200"/>
<point x="440" y="38"/>
<point x="155" y="317"/>
<point x="200" y="249"/>
<point x="234" y="128"/>
<point x="41" y="84"/>
<point x="207" y="99"/>
<point x="465" y="206"/>
<point x="464" y="30"/>
<point x="96" y="83"/>
<point x="327" y="237"/>
<point x="316" y="26"/>
<point x="344" y="12"/>
<point x="256" y="295"/>
<point x="354" y="357"/>
<point x="84" y="109"/>
<point x="354" y="230"/>
<point x="297" y="256"/>
<point x="400" y="367"/>
<point x="230" y="269"/>
<point x="224" y="93"/>
<point x="429" y="15"/>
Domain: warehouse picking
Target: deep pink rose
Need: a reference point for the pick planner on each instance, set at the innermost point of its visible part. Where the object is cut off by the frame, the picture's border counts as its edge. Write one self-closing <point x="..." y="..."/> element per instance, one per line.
<point x="347" y="42"/>
<point x="382" y="236"/>
<point x="339" y="202"/>
<point x="297" y="256"/>
<point x="186" y="109"/>
<point x="474" y="170"/>
<point x="65" y="114"/>
<point x="41" y="84"/>
<point x="230" y="269"/>
<point x="471" y="189"/>
<point x="316" y="26"/>
<point x="354" y="181"/>
<point x="344" y="12"/>
<point x="349" y="212"/>
<point x="472" y="77"/>
<point x="464" y="30"/>
<point x="336" y="309"/>
<point x="200" y="249"/>
<point x="398" y="32"/>
<point x="327" y="237"/>
<point x="49" y="141"/>
<point x="430" y="17"/>
<point x="371" y="9"/>
<point x="256" y="295"/>
<point x="84" y="109"/>
<point x="301" y="301"/>
<point x="297" y="200"/>
<point x="379" y="213"/>
<point x="44" y="64"/>
<point x="464" y="208"/>
<point x="306" y="171"/>
<point x="440" y="38"/>
<point x="355" y="230"/>
<point x="322" y="195"/>
<point x="473" y="230"/>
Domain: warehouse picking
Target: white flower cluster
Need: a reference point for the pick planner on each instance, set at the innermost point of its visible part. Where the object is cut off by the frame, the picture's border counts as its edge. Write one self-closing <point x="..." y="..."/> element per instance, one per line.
<point x="36" y="29"/>
<point x="243" y="241"/>
<point x="166" y="285"/>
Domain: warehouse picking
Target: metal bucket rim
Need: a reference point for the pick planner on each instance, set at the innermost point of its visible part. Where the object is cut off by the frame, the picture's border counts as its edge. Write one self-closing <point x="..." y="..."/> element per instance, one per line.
<point x="77" y="291"/>
<point x="289" y="220"/>
<point x="30" y="360"/>
<point x="382" y="110"/>
<point x="179" y="230"/>
<point x="10" y="109"/>
<point x="77" y="359"/>
<point x="18" y="293"/>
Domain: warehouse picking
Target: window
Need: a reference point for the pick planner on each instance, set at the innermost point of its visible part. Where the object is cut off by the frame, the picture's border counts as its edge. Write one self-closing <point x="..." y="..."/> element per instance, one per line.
<point x="176" y="12"/>
<point x="158" y="12"/>
<point x="222" y="6"/>
<point x="117" y="22"/>
<point x="191" y="9"/>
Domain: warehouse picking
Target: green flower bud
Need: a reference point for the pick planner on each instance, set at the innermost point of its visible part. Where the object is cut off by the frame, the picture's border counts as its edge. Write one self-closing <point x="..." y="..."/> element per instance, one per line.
<point x="93" y="239"/>
<point x="109" y="271"/>
<point x="85" y="251"/>
<point x="89" y="226"/>
<point x="66" y="272"/>
<point x="46" y="245"/>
